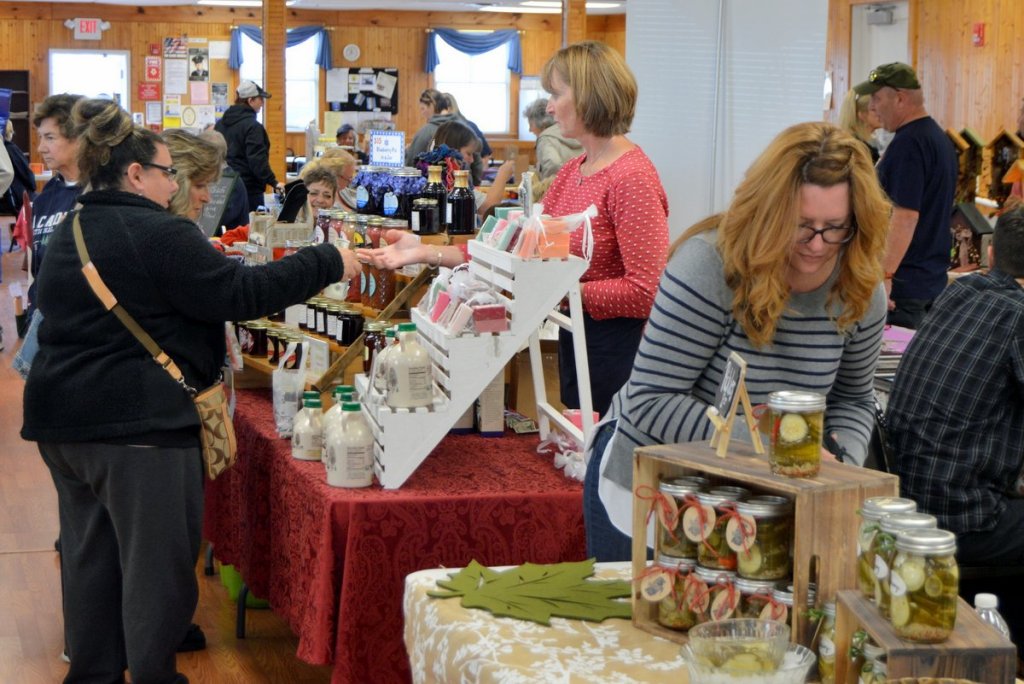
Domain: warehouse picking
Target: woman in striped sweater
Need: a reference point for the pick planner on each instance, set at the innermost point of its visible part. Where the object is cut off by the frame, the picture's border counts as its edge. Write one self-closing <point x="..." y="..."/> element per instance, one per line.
<point x="789" y="277"/>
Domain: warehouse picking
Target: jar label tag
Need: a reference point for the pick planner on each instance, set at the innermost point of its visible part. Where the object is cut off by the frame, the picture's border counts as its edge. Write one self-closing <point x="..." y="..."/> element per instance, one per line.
<point x="740" y="532"/>
<point x="656" y="586"/>
<point x="698" y="522"/>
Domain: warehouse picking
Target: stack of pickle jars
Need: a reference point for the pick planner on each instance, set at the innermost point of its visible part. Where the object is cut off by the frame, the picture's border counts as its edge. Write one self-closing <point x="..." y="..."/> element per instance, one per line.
<point x="908" y="568"/>
<point x="721" y="553"/>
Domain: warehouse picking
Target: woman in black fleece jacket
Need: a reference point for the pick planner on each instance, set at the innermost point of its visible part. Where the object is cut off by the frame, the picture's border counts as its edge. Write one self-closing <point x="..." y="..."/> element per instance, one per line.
<point x="119" y="435"/>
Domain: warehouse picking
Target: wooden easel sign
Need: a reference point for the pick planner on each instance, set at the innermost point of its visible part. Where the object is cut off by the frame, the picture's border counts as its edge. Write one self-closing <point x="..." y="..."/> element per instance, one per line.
<point x="731" y="392"/>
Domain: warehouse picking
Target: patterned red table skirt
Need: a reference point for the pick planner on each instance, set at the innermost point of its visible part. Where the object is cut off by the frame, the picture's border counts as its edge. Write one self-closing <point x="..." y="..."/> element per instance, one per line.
<point x="332" y="562"/>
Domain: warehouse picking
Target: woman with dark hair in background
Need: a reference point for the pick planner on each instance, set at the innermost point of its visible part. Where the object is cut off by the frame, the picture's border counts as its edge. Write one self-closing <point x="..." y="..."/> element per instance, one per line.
<point x="454" y="146"/>
<point x="119" y="436"/>
<point x="434" y="109"/>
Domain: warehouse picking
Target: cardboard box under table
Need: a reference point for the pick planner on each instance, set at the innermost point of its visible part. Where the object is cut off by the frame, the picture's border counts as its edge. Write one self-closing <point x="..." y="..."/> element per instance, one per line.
<point x="825" y="518"/>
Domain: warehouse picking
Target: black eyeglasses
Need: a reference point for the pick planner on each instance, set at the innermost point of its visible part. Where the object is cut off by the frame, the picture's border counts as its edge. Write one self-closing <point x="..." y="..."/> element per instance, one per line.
<point x="169" y="171"/>
<point x="830" y="235"/>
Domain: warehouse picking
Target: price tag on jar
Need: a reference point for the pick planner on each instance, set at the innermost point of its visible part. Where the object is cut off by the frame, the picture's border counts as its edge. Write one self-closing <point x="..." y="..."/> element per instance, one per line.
<point x="775" y="611"/>
<point x="668" y="512"/>
<point x="656" y="585"/>
<point x="725" y="603"/>
<point x="740" y="532"/>
<point x="698" y="521"/>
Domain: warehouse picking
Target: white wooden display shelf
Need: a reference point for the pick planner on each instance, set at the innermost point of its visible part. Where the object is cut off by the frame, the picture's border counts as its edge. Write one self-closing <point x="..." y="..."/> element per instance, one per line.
<point x="466" y="364"/>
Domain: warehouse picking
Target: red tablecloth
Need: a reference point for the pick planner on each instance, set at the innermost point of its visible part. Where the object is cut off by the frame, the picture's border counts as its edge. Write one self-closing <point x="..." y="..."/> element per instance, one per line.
<point x="332" y="561"/>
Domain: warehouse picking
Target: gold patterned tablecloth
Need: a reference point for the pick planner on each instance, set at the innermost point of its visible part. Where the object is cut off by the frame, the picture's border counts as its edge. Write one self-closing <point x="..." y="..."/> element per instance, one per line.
<point x="449" y="643"/>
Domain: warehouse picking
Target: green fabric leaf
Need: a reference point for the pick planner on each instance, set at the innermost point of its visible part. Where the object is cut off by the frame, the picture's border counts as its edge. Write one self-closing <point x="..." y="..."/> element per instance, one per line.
<point x="539" y="592"/>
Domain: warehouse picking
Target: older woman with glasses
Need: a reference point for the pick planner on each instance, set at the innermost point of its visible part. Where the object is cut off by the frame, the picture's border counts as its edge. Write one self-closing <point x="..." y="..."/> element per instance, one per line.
<point x="119" y="435"/>
<point x="790" y="278"/>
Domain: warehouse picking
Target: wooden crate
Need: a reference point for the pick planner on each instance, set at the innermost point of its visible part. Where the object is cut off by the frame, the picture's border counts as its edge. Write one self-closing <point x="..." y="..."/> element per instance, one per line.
<point x="974" y="651"/>
<point x="825" y="518"/>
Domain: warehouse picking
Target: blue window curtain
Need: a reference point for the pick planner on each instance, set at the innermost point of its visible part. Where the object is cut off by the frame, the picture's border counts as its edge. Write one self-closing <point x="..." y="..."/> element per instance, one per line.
<point x="296" y="35"/>
<point x="476" y="44"/>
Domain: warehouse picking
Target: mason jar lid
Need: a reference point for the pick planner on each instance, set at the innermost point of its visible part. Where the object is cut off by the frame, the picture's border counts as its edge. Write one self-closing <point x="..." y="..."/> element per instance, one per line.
<point x="801" y="402"/>
<point x="829" y="609"/>
<point x="407" y="171"/>
<point x="396" y="223"/>
<point x="374" y="169"/>
<point x="374" y="326"/>
<point x="765" y="506"/>
<point x="424" y="201"/>
<point x="877" y="506"/>
<point x="717" y="496"/>
<point x="258" y="325"/>
<point x="783" y="593"/>
<point x="680" y="564"/>
<point x="872" y="651"/>
<point x="894" y="522"/>
<point x="334" y="308"/>
<point x="679" y="486"/>
<point x="753" y="586"/>
<point x="362" y="218"/>
<point x="714" y="576"/>
<point x="924" y="541"/>
<point x="375" y="221"/>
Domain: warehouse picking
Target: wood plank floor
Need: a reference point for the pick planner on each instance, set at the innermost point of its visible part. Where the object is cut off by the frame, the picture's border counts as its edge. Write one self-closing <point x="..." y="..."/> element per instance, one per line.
<point x="31" y="629"/>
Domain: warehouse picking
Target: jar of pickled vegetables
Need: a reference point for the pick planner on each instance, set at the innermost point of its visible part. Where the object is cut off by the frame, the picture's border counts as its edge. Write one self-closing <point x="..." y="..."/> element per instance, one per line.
<point x="797" y="423"/>
<point x="871" y="512"/>
<point x="757" y="600"/>
<point x="827" y="645"/>
<point x="783" y="595"/>
<point x="884" y="548"/>
<point x="706" y="526"/>
<point x="683" y="492"/>
<point x="674" y="610"/>
<point x="868" y="668"/>
<point x="923" y="583"/>
<point x="720" y="598"/>
<point x="762" y="537"/>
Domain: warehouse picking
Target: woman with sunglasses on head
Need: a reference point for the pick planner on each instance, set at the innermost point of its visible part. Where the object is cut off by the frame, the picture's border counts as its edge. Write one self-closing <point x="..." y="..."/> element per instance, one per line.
<point x="790" y="278"/>
<point x="119" y="435"/>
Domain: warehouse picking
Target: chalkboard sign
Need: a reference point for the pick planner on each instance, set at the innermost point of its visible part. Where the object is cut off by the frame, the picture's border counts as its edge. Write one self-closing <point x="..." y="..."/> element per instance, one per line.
<point x="220" y="193"/>
<point x="726" y="397"/>
<point x="731" y="392"/>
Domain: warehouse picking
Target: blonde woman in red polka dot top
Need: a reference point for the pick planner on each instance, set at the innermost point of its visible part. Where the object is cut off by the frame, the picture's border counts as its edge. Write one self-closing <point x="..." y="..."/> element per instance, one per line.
<point x="593" y="98"/>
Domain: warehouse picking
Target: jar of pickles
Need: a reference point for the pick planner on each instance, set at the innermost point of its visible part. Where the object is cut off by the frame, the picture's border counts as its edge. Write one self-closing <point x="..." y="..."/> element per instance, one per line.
<point x="924" y="582"/>
<point x="757" y="600"/>
<point x="683" y="492"/>
<point x="720" y="600"/>
<point x="674" y="610"/>
<point x="762" y="537"/>
<point x="797" y="423"/>
<point x="827" y="645"/>
<point x="869" y="668"/>
<point x="884" y="548"/>
<point x="871" y="512"/>
<point x="707" y="524"/>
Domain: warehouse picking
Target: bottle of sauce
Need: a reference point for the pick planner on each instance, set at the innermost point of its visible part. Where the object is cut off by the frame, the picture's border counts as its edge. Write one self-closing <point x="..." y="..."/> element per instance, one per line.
<point x="436" y="190"/>
<point x="379" y="369"/>
<point x="349" y="460"/>
<point x="461" y="212"/>
<point x="307" y="432"/>
<point x="409" y="373"/>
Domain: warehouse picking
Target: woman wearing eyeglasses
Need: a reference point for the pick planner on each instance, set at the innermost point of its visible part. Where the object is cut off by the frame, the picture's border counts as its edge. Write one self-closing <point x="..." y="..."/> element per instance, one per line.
<point x="790" y="278"/>
<point x="119" y="435"/>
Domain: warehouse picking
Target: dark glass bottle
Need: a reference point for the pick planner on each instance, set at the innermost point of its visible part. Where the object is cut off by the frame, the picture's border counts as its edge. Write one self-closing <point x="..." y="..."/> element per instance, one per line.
<point x="461" y="213"/>
<point x="436" y="190"/>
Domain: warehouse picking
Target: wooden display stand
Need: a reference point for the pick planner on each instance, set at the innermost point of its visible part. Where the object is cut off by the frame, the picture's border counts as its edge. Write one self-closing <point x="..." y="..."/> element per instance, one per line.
<point x="974" y="650"/>
<point x="1003" y="152"/>
<point x="970" y="152"/>
<point x="825" y="518"/>
<point x="465" y="365"/>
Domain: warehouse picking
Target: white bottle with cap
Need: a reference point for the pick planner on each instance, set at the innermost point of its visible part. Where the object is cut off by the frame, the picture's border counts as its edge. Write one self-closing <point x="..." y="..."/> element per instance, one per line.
<point x="987" y="607"/>
<point x="349" y="461"/>
<point x="410" y="375"/>
<point x="308" y="433"/>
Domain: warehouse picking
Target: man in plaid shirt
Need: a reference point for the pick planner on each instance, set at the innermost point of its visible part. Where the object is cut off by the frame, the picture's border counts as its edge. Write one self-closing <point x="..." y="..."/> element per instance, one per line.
<point x="956" y="414"/>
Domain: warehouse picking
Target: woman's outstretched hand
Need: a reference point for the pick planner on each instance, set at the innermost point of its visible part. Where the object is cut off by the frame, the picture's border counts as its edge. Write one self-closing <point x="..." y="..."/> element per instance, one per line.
<point x="402" y="249"/>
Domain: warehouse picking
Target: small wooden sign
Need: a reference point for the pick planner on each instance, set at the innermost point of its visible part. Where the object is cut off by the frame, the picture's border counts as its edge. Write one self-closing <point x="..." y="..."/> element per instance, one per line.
<point x="731" y="392"/>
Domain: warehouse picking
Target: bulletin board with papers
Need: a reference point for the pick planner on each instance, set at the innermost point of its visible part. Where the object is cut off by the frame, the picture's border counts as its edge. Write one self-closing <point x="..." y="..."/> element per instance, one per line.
<point x="363" y="89"/>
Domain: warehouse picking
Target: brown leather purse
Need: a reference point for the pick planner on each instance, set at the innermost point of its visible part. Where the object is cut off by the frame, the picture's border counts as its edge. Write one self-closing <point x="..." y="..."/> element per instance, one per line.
<point x="216" y="432"/>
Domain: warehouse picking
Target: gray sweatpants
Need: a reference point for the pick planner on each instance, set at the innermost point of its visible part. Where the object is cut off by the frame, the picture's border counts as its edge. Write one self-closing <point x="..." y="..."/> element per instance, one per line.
<point x="130" y="525"/>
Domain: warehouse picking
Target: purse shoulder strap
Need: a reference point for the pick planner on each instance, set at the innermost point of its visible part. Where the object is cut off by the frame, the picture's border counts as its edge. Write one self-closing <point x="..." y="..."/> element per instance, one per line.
<point x="110" y="303"/>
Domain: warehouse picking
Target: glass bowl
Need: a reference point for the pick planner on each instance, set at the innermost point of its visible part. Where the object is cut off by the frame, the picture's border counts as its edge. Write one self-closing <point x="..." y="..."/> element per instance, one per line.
<point x="796" y="663"/>
<point x="740" y="645"/>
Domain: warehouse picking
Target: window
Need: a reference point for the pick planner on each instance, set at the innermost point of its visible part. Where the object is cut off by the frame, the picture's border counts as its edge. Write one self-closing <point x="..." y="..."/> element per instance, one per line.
<point x="302" y="79"/>
<point x="530" y="90"/>
<point x="92" y="73"/>
<point x="480" y="83"/>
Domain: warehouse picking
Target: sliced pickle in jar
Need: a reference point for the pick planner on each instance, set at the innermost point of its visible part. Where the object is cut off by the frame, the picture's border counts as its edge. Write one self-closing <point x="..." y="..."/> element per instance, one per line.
<point x="792" y="427"/>
<point x="749" y="561"/>
<point x="933" y="586"/>
<point x="913" y="574"/>
<point x="899" y="611"/>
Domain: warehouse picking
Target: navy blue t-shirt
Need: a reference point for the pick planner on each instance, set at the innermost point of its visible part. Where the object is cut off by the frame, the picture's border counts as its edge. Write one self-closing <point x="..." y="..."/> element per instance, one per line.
<point x="918" y="171"/>
<point x="49" y="208"/>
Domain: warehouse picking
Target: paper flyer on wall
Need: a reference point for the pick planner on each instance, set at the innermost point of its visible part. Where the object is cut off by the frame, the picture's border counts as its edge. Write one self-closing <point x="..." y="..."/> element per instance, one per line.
<point x="175" y="76"/>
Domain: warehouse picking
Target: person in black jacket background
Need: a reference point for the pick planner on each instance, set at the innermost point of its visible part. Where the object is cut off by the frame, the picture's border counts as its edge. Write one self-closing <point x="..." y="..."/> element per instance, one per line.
<point x="248" y="143"/>
<point x="120" y="437"/>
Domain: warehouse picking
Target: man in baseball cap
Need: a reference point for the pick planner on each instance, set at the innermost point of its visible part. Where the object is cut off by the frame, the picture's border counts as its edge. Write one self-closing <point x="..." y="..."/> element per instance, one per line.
<point x="918" y="171"/>
<point x="248" y="143"/>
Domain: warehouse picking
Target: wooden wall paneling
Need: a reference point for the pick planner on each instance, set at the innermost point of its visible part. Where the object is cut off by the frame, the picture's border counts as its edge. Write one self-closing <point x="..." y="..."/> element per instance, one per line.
<point x="274" y="36"/>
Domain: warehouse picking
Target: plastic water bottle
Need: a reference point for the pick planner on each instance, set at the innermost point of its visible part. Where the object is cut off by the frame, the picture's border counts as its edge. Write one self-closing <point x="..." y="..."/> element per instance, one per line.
<point x="987" y="606"/>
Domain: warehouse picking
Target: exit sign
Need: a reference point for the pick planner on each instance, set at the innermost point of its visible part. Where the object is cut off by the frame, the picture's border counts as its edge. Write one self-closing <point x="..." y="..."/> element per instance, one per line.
<point x="88" y="29"/>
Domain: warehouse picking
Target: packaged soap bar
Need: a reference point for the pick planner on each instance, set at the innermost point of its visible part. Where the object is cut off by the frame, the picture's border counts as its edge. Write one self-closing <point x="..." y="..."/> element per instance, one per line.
<point x="489" y="318"/>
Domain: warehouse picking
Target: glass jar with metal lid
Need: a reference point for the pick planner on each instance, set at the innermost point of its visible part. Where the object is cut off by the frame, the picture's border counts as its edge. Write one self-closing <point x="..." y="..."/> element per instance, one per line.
<point x="426" y="217"/>
<point x="683" y="491"/>
<point x="871" y="511"/>
<point x="722" y="598"/>
<point x="827" y="645"/>
<point x="762" y="537"/>
<point x="371" y="182"/>
<point x="350" y="324"/>
<point x="784" y="596"/>
<point x="713" y="550"/>
<point x="292" y="349"/>
<point x="310" y="321"/>
<point x="373" y="341"/>
<point x="321" y="315"/>
<point x="869" y="671"/>
<point x="674" y="610"/>
<point x="333" y="312"/>
<point x="258" y="330"/>
<point x="883" y="546"/>
<point x="273" y="345"/>
<point x="924" y="584"/>
<point x="348" y="225"/>
<point x="406" y="185"/>
<point x="797" y="424"/>
<point x="757" y="600"/>
<point x="244" y="336"/>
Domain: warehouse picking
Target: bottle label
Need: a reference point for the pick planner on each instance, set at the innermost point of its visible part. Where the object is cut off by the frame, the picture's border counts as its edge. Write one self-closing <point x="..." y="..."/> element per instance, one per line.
<point x="826" y="648"/>
<point x="415" y="221"/>
<point x="362" y="197"/>
<point x="311" y="318"/>
<point x="448" y="213"/>
<point x="390" y="204"/>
